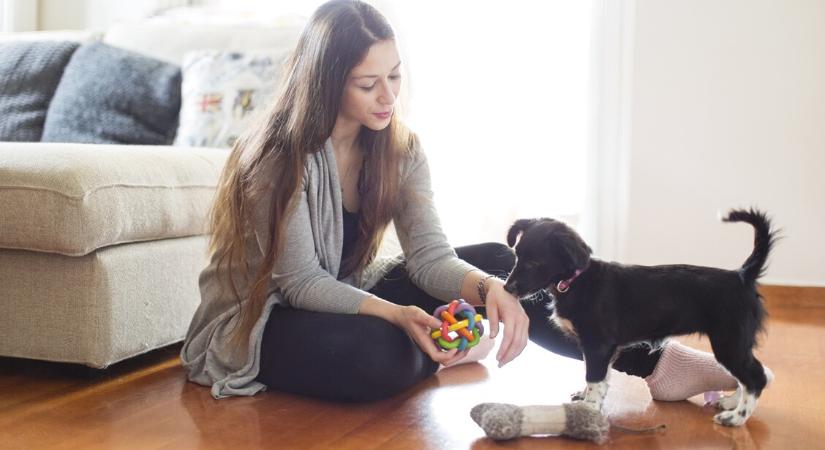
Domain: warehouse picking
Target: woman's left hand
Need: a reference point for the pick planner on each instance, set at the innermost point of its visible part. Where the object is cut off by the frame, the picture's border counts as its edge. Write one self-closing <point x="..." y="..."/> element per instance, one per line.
<point x="503" y="306"/>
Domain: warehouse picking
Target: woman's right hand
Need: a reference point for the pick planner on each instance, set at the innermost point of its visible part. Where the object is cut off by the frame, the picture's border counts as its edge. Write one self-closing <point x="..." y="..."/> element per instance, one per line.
<point x="416" y="323"/>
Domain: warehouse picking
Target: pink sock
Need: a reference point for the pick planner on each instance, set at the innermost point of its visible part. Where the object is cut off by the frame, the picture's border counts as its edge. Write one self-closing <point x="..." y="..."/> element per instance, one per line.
<point x="683" y="372"/>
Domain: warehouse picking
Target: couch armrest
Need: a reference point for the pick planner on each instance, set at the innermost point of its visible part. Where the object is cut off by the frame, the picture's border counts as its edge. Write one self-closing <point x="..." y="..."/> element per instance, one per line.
<point x="72" y="199"/>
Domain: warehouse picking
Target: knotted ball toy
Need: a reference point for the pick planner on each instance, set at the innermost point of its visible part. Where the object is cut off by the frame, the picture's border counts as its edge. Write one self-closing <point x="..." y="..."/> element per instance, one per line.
<point x="455" y="332"/>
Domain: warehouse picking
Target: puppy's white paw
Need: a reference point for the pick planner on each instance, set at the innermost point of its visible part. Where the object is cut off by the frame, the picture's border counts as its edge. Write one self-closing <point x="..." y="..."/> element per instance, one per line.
<point x="595" y="394"/>
<point x="728" y="402"/>
<point x="730" y="418"/>
<point x="743" y="410"/>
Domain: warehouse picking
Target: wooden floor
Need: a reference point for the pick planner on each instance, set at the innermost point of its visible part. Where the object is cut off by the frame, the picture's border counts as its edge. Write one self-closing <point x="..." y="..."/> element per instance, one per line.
<point x="145" y="403"/>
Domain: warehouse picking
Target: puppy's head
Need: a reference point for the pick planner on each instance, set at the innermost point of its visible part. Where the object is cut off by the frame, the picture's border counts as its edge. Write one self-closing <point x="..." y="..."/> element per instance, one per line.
<point x="547" y="252"/>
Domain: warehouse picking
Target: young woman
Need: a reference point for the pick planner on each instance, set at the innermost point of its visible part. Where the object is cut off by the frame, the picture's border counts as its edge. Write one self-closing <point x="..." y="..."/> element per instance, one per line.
<point x="293" y="298"/>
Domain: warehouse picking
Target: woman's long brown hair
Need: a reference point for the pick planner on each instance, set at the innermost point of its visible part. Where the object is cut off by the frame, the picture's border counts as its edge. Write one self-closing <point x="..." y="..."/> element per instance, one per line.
<point x="266" y="165"/>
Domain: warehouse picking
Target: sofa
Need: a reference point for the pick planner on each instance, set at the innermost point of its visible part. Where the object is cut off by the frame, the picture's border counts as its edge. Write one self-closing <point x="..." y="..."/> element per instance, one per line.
<point x="103" y="218"/>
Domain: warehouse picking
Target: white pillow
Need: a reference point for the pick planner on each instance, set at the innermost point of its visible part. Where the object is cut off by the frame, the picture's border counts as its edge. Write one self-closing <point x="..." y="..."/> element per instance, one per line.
<point x="222" y="92"/>
<point x="169" y="41"/>
<point x="82" y="36"/>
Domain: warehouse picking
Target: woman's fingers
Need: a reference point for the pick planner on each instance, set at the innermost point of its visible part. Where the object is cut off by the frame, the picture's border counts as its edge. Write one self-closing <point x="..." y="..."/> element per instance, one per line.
<point x="492" y="318"/>
<point x="458" y="356"/>
<point x="517" y="343"/>
<point x="436" y="354"/>
<point x="506" y="343"/>
<point x="428" y="344"/>
<point x="419" y="329"/>
<point x="516" y="325"/>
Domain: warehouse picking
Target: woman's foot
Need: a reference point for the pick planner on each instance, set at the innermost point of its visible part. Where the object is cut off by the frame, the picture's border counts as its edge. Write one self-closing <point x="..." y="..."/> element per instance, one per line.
<point x="683" y="372"/>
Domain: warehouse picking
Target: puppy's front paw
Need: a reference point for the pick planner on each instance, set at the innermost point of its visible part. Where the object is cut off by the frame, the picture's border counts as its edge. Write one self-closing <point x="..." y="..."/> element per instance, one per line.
<point x="577" y="396"/>
<point x="730" y="418"/>
<point x="727" y="402"/>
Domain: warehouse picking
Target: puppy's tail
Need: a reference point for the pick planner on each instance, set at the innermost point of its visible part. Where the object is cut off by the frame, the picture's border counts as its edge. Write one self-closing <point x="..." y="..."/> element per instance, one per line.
<point x="764" y="239"/>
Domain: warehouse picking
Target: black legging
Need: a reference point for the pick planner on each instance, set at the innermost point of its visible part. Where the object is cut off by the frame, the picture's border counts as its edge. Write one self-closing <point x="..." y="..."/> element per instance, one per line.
<point x="354" y="357"/>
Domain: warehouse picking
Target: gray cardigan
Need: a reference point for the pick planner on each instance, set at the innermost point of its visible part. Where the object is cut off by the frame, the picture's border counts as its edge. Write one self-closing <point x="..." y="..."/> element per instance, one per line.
<point x="305" y="273"/>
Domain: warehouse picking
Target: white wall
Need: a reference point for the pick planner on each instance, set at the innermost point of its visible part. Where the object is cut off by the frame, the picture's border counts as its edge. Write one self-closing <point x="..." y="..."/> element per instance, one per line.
<point x="100" y="14"/>
<point x="95" y="14"/>
<point x="18" y="15"/>
<point x="728" y="110"/>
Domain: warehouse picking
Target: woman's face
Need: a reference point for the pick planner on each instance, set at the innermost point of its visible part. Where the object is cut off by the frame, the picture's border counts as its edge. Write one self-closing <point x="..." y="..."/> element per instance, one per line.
<point x="372" y="87"/>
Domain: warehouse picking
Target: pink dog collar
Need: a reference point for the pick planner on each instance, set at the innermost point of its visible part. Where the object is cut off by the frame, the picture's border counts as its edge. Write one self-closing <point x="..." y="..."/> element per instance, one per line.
<point x="564" y="285"/>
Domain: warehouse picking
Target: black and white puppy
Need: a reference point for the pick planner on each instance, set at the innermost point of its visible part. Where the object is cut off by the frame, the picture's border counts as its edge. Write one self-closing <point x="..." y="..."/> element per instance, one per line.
<point x="607" y="306"/>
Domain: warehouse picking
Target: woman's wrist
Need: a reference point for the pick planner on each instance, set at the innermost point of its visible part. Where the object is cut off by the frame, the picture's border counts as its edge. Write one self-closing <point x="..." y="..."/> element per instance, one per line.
<point x="378" y="307"/>
<point x="496" y="288"/>
<point x="476" y="287"/>
<point x="483" y="287"/>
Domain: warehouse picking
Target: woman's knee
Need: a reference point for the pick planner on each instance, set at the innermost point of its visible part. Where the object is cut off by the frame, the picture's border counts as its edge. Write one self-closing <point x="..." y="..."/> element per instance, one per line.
<point x="385" y="361"/>
<point x="340" y="357"/>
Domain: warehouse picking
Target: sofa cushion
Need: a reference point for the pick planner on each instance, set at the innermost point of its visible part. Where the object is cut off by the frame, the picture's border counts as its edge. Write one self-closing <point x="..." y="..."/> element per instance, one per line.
<point x="111" y="95"/>
<point x="73" y="198"/>
<point x="223" y="91"/>
<point x="29" y="74"/>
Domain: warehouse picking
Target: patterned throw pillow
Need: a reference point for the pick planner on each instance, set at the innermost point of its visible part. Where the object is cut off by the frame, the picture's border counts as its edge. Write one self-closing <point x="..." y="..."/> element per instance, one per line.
<point x="222" y="93"/>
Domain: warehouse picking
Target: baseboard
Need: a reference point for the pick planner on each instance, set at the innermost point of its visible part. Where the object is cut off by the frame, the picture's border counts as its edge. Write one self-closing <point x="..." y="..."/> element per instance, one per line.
<point x="793" y="296"/>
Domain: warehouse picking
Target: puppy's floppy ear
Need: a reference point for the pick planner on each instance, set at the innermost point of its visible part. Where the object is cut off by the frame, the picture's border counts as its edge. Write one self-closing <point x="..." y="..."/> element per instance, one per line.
<point x="576" y="249"/>
<point x="516" y="229"/>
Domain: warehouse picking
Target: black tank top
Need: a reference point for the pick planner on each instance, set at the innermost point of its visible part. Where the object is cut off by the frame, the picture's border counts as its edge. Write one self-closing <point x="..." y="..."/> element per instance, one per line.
<point x="350" y="233"/>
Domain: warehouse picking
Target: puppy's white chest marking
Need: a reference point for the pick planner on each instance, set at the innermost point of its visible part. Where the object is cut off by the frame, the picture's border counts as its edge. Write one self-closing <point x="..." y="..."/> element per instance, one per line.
<point x="564" y="325"/>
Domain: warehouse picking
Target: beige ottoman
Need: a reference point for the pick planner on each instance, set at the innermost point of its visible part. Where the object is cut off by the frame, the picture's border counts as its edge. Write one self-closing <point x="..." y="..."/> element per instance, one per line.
<point x="100" y="247"/>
